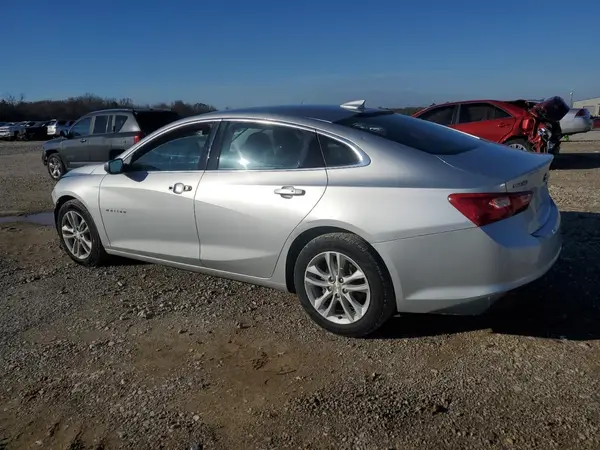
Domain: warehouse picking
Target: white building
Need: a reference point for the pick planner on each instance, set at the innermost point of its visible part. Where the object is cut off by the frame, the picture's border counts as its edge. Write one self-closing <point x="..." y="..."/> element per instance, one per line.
<point x="591" y="104"/>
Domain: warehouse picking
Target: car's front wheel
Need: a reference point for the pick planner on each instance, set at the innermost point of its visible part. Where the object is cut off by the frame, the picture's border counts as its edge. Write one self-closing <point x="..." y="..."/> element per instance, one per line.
<point x="519" y="144"/>
<point x="56" y="168"/>
<point x="78" y="234"/>
<point x="343" y="285"/>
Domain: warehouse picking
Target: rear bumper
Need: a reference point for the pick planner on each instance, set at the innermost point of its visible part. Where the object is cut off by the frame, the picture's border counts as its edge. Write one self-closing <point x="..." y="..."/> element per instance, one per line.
<point x="466" y="271"/>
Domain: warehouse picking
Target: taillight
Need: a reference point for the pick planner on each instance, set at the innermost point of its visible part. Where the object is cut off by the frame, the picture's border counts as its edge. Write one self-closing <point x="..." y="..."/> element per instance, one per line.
<point x="527" y="124"/>
<point x="483" y="209"/>
<point x="137" y="138"/>
<point x="582" y="112"/>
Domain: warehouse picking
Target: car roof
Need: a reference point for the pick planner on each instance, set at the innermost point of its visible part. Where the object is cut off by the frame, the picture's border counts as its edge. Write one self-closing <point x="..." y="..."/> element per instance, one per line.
<point x="322" y="113"/>
<point x="127" y="110"/>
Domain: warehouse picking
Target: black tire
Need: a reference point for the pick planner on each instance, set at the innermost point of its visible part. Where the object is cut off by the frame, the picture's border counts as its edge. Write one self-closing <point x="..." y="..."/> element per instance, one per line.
<point x="98" y="255"/>
<point x="55" y="159"/>
<point x="520" y="141"/>
<point x="383" y="301"/>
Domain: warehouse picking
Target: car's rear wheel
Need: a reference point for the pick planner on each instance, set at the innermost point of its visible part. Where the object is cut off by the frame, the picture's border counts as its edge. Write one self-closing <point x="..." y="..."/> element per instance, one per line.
<point x="519" y="144"/>
<point x="343" y="285"/>
<point x="78" y="234"/>
<point x="56" y="168"/>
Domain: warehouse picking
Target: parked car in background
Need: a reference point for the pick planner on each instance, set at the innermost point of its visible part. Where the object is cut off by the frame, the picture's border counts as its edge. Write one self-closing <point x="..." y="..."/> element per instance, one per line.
<point x="33" y="131"/>
<point x="55" y="126"/>
<point x="596" y="123"/>
<point x="100" y="136"/>
<point x="10" y="131"/>
<point x="361" y="212"/>
<point x="521" y="124"/>
<point x="577" y="120"/>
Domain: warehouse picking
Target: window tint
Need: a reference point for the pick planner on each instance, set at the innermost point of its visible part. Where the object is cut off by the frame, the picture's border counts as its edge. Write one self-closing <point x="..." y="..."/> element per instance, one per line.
<point x="253" y="146"/>
<point x="412" y="132"/>
<point x="119" y="122"/>
<point x="100" y="124"/>
<point x="82" y="128"/>
<point x="150" y="121"/>
<point x="180" y="150"/>
<point x="441" y="115"/>
<point x="478" y="112"/>
<point x="337" y="154"/>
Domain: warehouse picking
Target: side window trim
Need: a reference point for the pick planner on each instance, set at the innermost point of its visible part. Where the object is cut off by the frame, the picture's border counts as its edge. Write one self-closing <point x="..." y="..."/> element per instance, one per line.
<point x="158" y="140"/>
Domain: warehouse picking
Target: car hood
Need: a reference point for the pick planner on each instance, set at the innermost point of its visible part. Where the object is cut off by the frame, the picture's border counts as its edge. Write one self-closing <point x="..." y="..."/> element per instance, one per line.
<point x="52" y="144"/>
<point x="85" y="170"/>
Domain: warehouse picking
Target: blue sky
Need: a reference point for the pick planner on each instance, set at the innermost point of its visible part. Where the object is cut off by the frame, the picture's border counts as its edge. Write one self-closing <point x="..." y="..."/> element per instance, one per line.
<point x="233" y="53"/>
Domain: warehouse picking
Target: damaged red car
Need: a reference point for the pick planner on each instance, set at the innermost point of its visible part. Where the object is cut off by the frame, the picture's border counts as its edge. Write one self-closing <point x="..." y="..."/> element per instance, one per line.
<point x="522" y="124"/>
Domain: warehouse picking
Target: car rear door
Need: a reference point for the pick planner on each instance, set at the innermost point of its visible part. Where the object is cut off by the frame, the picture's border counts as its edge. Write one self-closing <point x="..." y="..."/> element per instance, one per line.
<point x="262" y="182"/>
<point x="73" y="149"/>
<point x="485" y="120"/>
<point x="99" y="143"/>
<point x="148" y="210"/>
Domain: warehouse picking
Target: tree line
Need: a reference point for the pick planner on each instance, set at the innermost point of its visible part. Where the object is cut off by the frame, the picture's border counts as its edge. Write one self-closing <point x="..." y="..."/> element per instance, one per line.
<point x="13" y="109"/>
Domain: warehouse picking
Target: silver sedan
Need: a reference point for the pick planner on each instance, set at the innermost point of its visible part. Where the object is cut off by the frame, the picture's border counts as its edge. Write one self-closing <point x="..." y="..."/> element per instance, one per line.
<point x="362" y="212"/>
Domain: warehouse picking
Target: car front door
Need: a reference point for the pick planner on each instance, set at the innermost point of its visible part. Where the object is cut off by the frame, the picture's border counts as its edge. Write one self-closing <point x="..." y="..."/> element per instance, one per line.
<point x="148" y="210"/>
<point x="99" y="143"/>
<point x="442" y="115"/>
<point x="73" y="150"/>
<point x="485" y="121"/>
<point x="263" y="181"/>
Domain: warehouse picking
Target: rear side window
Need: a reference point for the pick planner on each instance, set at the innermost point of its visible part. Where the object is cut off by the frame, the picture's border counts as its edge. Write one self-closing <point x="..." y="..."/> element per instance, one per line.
<point x="119" y="122"/>
<point x="150" y="121"/>
<point x="100" y="123"/>
<point x="442" y="115"/>
<point x="412" y="132"/>
<point x="337" y="154"/>
<point x="479" y="112"/>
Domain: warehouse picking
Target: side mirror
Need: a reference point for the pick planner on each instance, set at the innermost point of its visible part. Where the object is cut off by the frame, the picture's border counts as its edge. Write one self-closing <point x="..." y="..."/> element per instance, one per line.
<point x="114" y="166"/>
<point x="64" y="133"/>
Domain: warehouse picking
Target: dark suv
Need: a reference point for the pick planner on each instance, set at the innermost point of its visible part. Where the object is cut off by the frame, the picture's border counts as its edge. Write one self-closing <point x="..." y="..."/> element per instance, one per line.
<point x="100" y="136"/>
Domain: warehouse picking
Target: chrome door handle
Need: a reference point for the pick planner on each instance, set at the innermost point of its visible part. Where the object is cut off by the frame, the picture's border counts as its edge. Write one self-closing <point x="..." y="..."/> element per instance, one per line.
<point x="289" y="191"/>
<point x="179" y="188"/>
<point x="82" y="140"/>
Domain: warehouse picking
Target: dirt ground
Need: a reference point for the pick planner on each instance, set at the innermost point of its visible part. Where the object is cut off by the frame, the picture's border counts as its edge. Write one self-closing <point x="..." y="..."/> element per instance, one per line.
<point x="140" y="356"/>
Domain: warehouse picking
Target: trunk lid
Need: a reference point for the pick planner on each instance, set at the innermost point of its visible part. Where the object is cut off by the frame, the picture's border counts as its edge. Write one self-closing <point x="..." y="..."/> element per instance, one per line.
<point x="513" y="170"/>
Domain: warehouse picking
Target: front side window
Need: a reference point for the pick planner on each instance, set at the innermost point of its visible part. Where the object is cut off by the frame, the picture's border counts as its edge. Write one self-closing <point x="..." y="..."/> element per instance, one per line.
<point x="412" y="132"/>
<point x="100" y="123"/>
<point x="183" y="149"/>
<point x="257" y="146"/>
<point x="442" y="115"/>
<point x="82" y="128"/>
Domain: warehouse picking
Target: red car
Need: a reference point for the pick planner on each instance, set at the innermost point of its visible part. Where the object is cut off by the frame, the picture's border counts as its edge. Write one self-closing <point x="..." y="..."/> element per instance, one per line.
<point x="525" y="125"/>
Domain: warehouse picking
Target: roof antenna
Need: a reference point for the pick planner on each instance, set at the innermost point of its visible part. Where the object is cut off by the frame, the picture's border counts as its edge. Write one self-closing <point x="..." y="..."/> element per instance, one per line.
<point x="356" y="105"/>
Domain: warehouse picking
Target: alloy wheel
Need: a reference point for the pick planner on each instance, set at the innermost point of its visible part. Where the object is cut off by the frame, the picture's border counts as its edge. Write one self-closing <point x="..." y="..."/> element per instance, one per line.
<point x="76" y="234"/>
<point x="518" y="147"/>
<point x="55" y="169"/>
<point x="337" y="287"/>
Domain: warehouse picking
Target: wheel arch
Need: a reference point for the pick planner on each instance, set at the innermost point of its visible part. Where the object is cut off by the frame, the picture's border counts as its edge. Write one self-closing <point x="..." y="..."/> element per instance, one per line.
<point x="308" y="235"/>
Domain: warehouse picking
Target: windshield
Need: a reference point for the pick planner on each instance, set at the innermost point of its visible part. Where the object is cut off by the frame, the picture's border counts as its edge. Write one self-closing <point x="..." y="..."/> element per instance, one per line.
<point x="416" y="133"/>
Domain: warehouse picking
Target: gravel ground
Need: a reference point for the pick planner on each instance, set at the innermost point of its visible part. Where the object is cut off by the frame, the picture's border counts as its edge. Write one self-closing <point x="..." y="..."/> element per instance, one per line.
<point x="141" y="356"/>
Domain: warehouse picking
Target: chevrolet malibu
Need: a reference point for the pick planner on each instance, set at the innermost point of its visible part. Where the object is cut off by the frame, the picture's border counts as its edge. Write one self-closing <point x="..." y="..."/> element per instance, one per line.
<point x="363" y="213"/>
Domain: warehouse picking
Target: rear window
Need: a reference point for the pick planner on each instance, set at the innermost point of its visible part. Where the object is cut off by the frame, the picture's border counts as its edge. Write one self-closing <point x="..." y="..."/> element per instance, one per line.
<point x="150" y="121"/>
<point x="416" y="133"/>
